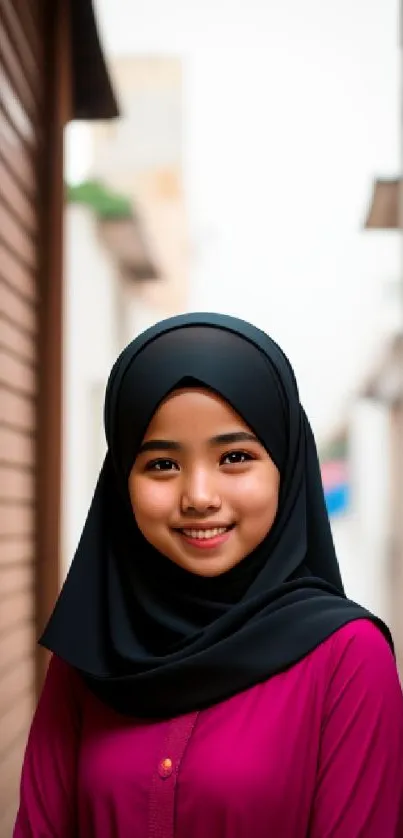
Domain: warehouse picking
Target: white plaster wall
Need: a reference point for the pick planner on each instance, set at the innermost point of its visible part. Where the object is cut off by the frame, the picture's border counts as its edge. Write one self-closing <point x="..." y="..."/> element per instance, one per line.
<point x="140" y="313"/>
<point x="90" y="342"/>
<point x="361" y="536"/>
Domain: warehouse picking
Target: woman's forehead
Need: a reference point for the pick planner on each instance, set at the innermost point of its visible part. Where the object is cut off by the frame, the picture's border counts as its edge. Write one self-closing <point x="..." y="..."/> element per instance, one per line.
<point x="189" y="410"/>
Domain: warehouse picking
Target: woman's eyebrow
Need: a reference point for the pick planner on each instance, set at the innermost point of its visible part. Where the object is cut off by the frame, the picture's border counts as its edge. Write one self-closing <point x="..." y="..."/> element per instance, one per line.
<point x="235" y="436"/>
<point x="220" y="439"/>
<point x="160" y="445"/>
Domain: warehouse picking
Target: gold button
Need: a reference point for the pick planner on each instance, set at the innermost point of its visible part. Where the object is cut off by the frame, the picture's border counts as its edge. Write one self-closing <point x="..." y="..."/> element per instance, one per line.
<point x="165" y="767"/>
<point x="166" y="763"/>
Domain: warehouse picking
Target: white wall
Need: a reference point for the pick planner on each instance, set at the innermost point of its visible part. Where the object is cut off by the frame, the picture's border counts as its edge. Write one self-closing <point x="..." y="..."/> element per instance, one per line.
<point x="90" y="342"/>
<point x="139" y="313"/>
<point x="361" y="537"/>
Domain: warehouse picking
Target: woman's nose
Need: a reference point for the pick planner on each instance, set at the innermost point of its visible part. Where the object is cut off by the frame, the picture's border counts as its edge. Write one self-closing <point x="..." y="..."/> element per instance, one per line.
<point x="200" y="494"/>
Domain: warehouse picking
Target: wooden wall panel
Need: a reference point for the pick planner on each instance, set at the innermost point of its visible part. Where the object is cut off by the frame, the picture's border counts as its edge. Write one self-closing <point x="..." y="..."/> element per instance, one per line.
<point x="22" y="126"/>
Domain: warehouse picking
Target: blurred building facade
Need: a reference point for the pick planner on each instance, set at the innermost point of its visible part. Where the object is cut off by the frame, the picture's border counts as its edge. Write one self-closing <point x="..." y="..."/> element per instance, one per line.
<point x="361" y="531"/>
<point x="385" y="389"/>
<point x="370" y="536"/>
<point x="46" y="50"/>
<point x="126" y="261"/>
<point x="108" y="269"/>
<point x="141" y="155"/>
<point x="356" y="491"/>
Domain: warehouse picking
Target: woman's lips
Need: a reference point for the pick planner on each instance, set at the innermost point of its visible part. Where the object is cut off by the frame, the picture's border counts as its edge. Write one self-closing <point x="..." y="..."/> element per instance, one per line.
<point x="205" y="539"/>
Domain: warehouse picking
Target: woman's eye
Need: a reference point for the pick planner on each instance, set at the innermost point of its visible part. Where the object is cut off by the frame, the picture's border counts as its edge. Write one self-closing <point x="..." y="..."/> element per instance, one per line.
<point x="161" y="465"/>
<point x="235" y="457"/>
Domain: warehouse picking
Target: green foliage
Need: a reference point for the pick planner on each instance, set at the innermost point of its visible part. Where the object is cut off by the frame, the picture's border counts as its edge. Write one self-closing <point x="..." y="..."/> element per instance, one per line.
<point x="98" y="197"/>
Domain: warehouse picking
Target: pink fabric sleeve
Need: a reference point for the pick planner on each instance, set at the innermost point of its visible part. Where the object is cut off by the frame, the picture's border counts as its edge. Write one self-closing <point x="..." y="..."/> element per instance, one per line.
<point x="48" y="782"/>
<point x="360" y="773"/>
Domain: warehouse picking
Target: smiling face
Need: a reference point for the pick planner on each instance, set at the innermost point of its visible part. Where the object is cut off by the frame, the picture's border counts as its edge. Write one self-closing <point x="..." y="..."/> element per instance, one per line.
<point x="204" y="491"/>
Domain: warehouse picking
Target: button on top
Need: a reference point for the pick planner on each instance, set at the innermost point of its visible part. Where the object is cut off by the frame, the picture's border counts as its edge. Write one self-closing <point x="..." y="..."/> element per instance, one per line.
<point x="165" y="768"/>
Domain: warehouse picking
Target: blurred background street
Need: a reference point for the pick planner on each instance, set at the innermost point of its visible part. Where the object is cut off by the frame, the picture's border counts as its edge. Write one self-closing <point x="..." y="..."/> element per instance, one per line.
<point x="160" y="157"/>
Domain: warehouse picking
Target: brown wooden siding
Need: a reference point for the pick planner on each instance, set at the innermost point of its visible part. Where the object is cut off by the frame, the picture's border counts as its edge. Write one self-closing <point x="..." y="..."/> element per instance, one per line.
<point x="50" y="338"/>
<point x="21" y="130"/>
<point x="38" y="95"/>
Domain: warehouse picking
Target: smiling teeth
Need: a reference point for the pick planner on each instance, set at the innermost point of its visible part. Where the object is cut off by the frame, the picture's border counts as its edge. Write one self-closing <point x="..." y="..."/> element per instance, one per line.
<point x="205" y="533"/>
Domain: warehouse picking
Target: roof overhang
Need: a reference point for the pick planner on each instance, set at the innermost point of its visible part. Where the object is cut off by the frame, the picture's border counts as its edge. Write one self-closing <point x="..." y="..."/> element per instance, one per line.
<point x="93" y="94"/>
<point x="127" y="241"/>
<point x="384" y="213"/>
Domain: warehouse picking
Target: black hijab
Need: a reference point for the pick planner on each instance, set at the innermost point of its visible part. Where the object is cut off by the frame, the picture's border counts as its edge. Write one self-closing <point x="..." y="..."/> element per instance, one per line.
<point x="149" y="638"/>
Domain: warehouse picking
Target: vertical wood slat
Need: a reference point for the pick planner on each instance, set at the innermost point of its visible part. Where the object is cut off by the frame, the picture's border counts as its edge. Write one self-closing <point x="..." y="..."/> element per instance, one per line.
<point x="11" y="769"/>
<point x="13" y="580"/>
<point x="15" y="611"/>
<point x="18" y="373"/>
<point x="30" y="27"/>
<point x="49" y="447"/>
<point x="21" y="108"/>
<point x="16" y="200"/>
<point x="15" y="238"/>
<point x="11" y="65"/>
<point x="16" y="643"/>
<point x="18" y="342"/>
<point x="16" y="310"/>
<point x="21" y="166"/>
<point x="19" y="122"/>
<point x="23" y="46"/>
<point x="15" y="721"/>
<point x="17" y="276"/>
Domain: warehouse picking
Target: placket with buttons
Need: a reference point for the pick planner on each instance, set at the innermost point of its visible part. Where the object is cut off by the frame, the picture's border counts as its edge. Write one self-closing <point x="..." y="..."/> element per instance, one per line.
<point x="164" y="781"/>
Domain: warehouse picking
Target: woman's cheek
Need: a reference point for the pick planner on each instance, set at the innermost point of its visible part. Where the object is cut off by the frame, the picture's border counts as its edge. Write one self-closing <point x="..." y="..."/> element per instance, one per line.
<point x="248" y="490"/>
<point x="153" y="499"/>
<point x="255" y="499"/>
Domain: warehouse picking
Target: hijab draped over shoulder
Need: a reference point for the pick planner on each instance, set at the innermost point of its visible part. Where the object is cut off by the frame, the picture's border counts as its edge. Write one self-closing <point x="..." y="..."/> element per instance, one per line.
<point x="150" y="639"/>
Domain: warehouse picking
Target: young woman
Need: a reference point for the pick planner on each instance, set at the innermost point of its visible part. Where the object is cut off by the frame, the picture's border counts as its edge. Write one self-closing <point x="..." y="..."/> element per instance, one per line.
<point x="209" y="678"/>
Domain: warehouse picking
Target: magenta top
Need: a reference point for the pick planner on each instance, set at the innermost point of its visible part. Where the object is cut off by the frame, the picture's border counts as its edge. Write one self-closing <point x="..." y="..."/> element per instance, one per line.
<point x="315" y="752"/>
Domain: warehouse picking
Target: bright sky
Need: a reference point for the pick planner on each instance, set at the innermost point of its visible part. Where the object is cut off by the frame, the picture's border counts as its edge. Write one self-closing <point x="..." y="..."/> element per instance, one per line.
<point x="291" y="109"/>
